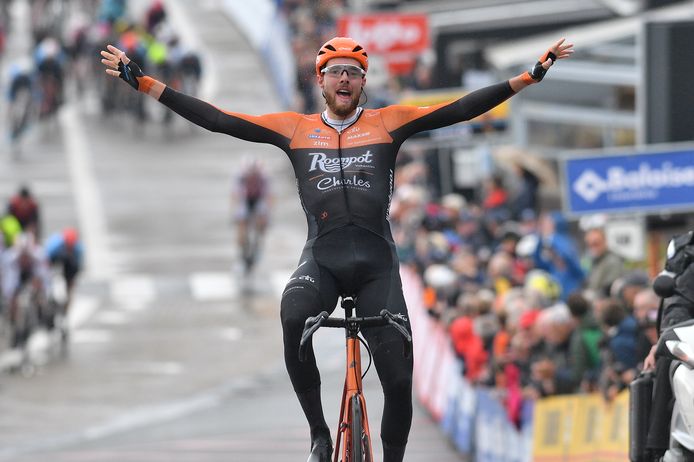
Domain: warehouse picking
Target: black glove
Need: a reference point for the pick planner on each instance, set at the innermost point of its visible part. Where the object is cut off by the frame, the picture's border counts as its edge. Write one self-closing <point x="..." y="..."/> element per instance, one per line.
<point x="537" y="73"/>
<point x="130" y="72"/>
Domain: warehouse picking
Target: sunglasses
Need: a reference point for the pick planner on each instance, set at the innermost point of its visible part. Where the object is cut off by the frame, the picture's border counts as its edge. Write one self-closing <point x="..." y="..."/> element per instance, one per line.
<point x="336" y="70"/>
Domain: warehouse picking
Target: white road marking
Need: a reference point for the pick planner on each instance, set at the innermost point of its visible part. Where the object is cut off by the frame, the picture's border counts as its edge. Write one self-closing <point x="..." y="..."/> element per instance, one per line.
<point x="82" y="308"/>
<point x="191" y="38"/>
<point x="212" y="286"/>
<point x="91" y="336"/>
<point x="90" y="211"/>
<point x="150" y="416"/>
<point x="133" y="292"/>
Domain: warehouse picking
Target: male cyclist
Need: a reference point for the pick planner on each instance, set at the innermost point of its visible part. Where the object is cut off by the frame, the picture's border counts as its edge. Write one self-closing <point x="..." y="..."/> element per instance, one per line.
<point x="20" y="95"/>
<point x="49" y="67"/>
<point x="344" y="160"/>
<point x="64" y="250"/>
<point x="23" y="264"/>
<point x="24" y="207"/>
<point x="251" y="197"/>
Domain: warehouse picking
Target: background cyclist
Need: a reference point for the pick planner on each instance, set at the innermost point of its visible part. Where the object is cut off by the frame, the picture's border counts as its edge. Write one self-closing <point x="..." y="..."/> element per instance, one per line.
<point x="23" y="264"/>
<point x="251" y="201"/>
<point x="64" y="250"/>
<point x="20" y="96"/>
<point x="25" y="208"/>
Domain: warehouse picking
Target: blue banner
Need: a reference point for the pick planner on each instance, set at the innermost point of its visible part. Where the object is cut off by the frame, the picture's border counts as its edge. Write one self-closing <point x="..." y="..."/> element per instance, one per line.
<point x="458" y="420"/>
<point x="526" y="439"/>
<point x="496" y="439"/>
<point x="465" y="418"/>
<point x="651" y="181"/>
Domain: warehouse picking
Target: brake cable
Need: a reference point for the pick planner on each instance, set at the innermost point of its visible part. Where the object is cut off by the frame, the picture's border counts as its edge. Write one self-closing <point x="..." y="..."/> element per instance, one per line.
<point x="363" y="342"/>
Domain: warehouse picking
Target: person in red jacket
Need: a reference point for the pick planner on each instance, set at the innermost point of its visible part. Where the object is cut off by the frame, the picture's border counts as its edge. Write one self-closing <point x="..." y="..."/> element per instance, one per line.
<point x="496" y="195"/>
<point x="468" y="345"/>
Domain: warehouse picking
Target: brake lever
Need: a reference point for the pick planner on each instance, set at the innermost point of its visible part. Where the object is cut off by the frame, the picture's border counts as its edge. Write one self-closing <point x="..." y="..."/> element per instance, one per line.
<point x="310" y="327"/>
<point x="398" y="321"/>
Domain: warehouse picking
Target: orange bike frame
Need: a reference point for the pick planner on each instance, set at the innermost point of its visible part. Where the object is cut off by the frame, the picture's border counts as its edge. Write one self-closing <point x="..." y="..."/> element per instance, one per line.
<point x="353" y="386"/>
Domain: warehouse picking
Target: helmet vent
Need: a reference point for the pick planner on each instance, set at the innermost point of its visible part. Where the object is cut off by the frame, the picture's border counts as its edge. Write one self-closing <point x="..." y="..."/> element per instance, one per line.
<point x="330" y="47"/>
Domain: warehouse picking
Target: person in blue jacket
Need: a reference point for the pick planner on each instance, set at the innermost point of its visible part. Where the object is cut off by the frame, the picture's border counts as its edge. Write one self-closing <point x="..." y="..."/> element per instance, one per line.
<point x="557" y="254"/>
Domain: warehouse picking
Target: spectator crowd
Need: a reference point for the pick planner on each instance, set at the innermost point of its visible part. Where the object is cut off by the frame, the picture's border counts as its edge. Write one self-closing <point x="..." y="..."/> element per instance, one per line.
<point x="528" y="311"/>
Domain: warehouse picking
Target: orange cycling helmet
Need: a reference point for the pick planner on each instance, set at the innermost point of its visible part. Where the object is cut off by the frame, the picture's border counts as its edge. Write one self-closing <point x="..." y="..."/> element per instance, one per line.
<point x="70" y="236"/>
<point x="341" y="47"/>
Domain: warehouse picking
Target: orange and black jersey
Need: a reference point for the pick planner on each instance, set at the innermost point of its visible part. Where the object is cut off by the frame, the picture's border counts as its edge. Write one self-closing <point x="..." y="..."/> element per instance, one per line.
<point x="343" y="178"/>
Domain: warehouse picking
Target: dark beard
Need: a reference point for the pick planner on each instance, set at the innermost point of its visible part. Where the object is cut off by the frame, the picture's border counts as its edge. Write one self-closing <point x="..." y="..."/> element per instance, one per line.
<point x="341" y="111"/>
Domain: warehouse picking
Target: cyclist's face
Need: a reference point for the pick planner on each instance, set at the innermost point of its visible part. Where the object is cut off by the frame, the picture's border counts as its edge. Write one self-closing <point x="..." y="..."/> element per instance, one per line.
<point x="342" y="91"/>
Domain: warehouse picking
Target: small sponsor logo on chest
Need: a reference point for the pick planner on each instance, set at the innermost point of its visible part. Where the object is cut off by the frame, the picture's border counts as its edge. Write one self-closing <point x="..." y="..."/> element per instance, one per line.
<point x="313" y="136"/>
<point x="355" y="136"/>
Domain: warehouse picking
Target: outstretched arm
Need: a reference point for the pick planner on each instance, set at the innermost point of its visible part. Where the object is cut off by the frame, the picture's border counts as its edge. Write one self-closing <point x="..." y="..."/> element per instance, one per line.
<point x="269" y="128"/>
<point x="403" y="121"/>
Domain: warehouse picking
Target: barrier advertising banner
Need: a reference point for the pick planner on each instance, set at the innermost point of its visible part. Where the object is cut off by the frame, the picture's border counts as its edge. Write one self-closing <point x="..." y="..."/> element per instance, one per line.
<point x="496" y="439"/>
<point x="580" y="428"/>
<point x="656" y="180"/>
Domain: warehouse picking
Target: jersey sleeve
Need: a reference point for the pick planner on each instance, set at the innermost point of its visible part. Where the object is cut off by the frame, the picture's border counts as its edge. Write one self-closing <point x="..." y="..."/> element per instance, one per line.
<point x="404" y="121"/>
<point x="275" y="129"/>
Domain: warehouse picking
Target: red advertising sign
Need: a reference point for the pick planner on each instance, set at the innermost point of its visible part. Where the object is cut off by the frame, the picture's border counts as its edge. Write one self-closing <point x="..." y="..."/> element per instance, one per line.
<point x="399" y="37"/>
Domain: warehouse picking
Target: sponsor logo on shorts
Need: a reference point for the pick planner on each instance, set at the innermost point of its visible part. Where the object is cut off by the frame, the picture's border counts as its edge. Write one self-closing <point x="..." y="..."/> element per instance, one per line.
<point x="308" y="278"/>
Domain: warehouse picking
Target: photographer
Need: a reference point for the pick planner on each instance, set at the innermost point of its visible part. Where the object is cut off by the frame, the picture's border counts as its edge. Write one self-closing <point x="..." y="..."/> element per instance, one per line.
<point x="673" y="310"/>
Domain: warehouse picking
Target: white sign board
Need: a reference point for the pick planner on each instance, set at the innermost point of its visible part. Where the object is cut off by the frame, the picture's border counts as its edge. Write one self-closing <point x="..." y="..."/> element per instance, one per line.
<point x="627" y="238"/>
<point x="470" y="166"/>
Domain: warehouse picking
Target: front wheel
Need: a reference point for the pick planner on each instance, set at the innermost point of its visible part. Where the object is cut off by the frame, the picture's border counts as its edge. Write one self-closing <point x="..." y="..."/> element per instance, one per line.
<point x="361" y="451"/>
